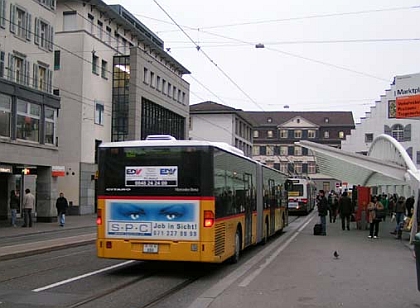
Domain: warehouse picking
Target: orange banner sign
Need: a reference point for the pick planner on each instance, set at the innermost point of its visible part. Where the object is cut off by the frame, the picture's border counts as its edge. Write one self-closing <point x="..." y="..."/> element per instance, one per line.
<point x="408" y="107"/>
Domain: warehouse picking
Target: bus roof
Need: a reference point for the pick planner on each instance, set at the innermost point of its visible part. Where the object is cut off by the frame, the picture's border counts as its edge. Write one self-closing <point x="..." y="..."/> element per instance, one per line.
<point x="152" y="143"/>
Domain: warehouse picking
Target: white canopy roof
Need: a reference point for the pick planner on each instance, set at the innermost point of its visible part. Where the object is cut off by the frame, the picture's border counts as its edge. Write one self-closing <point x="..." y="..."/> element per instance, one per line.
<point x="387" y="163"/>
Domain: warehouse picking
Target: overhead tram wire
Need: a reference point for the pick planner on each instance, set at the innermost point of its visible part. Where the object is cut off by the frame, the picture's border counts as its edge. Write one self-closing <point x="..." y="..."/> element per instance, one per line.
<point x="304" y="58"/>
<point x="228" y="44"/>
<point x="208" y="57"/>
<point x="298" y="18"/>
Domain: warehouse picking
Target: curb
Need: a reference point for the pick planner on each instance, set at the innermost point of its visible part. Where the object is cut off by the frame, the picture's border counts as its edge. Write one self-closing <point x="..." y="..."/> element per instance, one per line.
<point x="19" y="251"/>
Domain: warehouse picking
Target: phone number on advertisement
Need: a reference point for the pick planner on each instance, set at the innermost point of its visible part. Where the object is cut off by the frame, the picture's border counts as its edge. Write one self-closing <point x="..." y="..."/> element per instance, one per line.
<point x="174" y="233"/>
<point x="151" y="183"/>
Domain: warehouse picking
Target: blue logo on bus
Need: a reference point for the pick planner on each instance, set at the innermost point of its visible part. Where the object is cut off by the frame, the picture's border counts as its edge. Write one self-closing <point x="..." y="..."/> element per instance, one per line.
<point x="167" y="171"/>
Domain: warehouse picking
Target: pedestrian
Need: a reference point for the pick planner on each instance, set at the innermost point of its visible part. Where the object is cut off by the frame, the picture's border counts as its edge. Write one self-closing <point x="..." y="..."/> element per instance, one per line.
<point x="385" y="202"/>
<point x="323" y="210"/>
<point x="399" y="216"/>
<point x="28" y="206"/>
<point x="374" y="208"/>
<point x="61" y="205"/>
<point x="14" y="206"/>
<point x="332" y="205"/>
<point x="345" y="209"/>
<point x="409" y="205"/>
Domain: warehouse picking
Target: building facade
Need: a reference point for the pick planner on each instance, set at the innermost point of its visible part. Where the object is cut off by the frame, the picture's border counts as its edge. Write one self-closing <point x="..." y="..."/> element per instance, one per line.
<point x="116" y="82"/>
<point x="215" y="122"/>
<point x="274" y="135"/>
<point x="269" y="137"/>
<point x="28" y="109"/>
<point x="383" y="119"/>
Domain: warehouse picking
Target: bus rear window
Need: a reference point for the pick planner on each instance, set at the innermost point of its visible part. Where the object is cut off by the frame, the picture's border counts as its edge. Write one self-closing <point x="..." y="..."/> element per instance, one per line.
<point x="297" y="190"/>
<point x="154" y="170"/>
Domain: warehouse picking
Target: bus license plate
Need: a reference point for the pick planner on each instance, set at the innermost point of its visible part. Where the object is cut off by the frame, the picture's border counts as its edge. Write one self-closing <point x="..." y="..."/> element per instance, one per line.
<point x="150" y="248"/>
<point x="293" y="204"/>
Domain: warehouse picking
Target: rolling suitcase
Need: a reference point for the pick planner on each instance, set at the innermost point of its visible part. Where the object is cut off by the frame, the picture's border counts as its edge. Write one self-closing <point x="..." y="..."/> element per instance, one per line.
<point x="317" y="229"/>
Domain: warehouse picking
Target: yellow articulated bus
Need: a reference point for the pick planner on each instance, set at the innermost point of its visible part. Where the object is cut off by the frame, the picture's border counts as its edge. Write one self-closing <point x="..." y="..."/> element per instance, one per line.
<point x="184" y="200"/>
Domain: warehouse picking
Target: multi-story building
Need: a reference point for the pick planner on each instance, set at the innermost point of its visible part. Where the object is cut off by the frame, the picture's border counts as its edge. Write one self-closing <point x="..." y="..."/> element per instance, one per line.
<point x="216" y="122"/>
<point x="116" y="82"/>
<point x="28" y="109"/>
<point x="276" y="131"/>
<point x="382" y="119"/>
<point x="269" y="137"/>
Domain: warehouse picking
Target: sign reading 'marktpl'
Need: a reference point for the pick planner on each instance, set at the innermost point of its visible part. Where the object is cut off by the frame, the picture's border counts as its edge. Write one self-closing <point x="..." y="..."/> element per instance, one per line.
<point x="407" y="93"/>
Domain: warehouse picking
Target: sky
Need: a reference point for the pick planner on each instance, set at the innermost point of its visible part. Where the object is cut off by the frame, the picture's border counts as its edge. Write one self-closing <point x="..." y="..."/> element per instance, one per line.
<point x="318" y="55"/>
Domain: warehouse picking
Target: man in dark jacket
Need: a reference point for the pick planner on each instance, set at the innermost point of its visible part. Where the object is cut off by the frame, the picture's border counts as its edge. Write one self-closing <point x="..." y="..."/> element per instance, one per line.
<point x="345" y="208"/>
<point x="323" y="210"/>
<point x="61" y="206"/>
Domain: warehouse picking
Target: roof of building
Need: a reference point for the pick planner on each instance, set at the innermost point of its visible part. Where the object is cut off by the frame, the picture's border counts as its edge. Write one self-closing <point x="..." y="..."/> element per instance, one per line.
<point x="261" y="118"/>
<point x="128" y="22"/>
<point x="335" y="118"/>
<point x="210" y="107"/>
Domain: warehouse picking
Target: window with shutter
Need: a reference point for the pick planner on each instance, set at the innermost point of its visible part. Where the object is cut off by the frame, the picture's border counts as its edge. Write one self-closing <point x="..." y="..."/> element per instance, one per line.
<point x="51" y="39"/>
<point x="305" y="168"/>
<point x="35" y="76"/>
<point x="398" y="132"/>
<point x="3" y="13"/>
<point x="27" y="73"/>
<point x="407" y="132"/>
<point x="2" y="56"/>
<point x="36" y="37"/>
<point x="410" y="152"/>
<point x="49" y="81"/>
<point x="28" y="26"/>
<point x="12" y="18"/>
<point x="20" y="22"/>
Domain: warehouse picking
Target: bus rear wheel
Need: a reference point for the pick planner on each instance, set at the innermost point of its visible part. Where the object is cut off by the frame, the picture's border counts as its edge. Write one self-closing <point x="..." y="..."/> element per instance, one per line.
<point x="235" y="258"/>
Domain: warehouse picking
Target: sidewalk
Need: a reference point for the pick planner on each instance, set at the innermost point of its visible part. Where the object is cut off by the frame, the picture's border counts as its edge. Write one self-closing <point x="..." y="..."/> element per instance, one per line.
<point x="302" y="272"/>
<point x="17" y="241"/>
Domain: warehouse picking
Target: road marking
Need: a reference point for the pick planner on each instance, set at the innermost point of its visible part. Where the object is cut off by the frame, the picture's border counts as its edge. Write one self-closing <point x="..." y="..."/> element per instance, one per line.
<point x="270" y="259"/>
<point x="82" y="276"/>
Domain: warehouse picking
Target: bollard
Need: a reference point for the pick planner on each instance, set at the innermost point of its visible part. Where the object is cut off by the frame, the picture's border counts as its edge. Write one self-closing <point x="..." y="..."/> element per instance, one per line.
<point x="417" y="252"/>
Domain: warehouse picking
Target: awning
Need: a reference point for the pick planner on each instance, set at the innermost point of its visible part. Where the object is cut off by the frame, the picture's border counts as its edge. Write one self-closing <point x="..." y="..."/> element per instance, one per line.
<point x="387" y="163"/>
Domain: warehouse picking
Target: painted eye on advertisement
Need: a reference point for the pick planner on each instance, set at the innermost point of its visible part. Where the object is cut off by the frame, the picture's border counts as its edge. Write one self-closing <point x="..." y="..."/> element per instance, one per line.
<point x="173" y="212"/>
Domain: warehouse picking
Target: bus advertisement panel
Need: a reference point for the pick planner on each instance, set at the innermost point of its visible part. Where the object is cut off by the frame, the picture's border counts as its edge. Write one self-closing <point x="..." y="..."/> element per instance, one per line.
<point x="152" y="219"/>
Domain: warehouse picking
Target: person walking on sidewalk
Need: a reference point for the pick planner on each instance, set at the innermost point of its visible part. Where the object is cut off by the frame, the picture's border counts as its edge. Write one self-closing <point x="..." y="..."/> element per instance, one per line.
<point x="28" y="207"/>
<point x="332" y="205"/>
<point x="14" y="206"/>
<point x="61" y="206"/>
<point x="399" y="216"/>
<point x="323" y="210"/>
<point x="373" y="208"/>
<point x="345" y="208"/>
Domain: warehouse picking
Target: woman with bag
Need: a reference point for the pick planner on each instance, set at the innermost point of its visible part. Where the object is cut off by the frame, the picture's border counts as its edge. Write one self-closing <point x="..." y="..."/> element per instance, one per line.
<point x="375" y="215"/>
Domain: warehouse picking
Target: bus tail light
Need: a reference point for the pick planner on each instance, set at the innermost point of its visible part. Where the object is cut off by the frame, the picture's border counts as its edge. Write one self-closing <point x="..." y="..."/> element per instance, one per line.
<point x="305" y="201"/>
<point x="208" y="219"/>
<point x="99" y="217"/>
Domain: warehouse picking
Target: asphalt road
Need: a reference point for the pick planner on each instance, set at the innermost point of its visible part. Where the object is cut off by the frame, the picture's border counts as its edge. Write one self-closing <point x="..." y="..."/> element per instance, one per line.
<point x="75" y="277"/>
<point x="294" y="269"/>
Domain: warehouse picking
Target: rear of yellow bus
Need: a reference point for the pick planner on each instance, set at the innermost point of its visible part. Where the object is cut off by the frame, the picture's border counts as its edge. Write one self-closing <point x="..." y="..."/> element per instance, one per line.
<point x="155" y="203"/>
